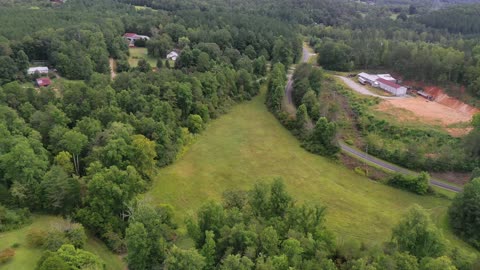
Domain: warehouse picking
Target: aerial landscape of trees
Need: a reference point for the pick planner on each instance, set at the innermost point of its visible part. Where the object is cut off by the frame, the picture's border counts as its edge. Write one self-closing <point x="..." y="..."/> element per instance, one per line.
<point x="89" y="146"/>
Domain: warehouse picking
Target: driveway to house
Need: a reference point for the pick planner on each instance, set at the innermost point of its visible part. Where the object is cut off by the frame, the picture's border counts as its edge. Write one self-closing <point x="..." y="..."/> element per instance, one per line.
<point x="391" y="167"/>
<point x="363" y="90"/>
<point x="306" y="55"/>
<point x="112" y="68"/>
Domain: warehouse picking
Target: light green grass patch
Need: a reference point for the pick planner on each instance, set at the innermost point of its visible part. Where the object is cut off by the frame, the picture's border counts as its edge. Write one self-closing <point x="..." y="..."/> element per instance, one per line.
<point x="141" y="8"/>
<point x="249" y="145"/>
<point x="26" y="257"/>
<point x="140" y="53"/>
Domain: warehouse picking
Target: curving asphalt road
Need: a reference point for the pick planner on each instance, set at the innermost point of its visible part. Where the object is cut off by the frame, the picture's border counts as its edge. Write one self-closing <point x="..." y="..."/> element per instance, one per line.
<point x="355" y="152"/>
<point x="381" y="163"/>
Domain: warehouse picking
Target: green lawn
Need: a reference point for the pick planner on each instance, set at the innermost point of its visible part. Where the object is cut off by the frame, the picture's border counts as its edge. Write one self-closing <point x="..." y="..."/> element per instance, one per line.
<point x="248" y="144"/>
<point x="139" y="53"/>
<point x="26" y="258"/>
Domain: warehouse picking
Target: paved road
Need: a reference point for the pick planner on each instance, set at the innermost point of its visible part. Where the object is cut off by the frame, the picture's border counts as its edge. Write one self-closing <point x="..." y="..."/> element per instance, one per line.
<point x="366" y="157"/>
<point x="355" y="152"/>
<point x="363" y="90"/>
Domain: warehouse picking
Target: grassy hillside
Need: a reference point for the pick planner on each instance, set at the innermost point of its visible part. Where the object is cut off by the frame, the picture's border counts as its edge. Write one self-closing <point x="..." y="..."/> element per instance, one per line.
<point x="26" y="258"/>
<point x="248" y="145"/>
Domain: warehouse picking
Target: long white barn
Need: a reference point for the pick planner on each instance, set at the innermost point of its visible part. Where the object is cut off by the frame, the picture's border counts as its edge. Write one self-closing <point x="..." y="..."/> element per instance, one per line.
<point x="383" y="81"/>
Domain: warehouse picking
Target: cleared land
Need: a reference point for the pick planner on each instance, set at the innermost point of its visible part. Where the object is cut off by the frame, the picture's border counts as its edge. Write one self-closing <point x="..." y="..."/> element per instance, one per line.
<point x="140" y="53"/>
<point x="249" y="145"/>
<point x="26" y="257"/>
<point x="452" y="116"/>
<point x="420" y="110"/>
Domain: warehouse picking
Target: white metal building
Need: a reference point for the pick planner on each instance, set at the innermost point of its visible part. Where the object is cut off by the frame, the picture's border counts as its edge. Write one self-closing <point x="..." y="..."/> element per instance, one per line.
<point x="392" y="87"/>
<point x="364" y="78"/>
<point x="40" y="70"/>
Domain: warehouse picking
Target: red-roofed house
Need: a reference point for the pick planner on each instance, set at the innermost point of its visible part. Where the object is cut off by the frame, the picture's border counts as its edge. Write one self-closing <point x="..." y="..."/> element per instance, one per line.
<point x="132" y="37"/>
<point x="392" y="87"/>
<point x="43" y="82"/>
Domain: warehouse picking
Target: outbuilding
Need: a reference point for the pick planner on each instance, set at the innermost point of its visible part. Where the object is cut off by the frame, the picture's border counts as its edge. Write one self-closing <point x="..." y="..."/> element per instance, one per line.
<point x="39" y="70"/>
<point x="365" y="78"/>
<point x="392" y="87"/>
<point x="173" y="55"/>
<point x="43" y="82"/>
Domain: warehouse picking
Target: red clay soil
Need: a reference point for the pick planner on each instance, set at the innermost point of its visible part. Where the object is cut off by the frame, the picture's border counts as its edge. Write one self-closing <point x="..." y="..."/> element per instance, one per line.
<point x="441" y="97"/>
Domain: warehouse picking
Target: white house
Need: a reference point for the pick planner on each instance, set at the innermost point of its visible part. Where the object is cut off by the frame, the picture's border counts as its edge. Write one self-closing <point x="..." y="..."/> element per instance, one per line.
<point x="132" y="37"/>
<point x="392" y="87"/>
<point x="173" y="55"/>
<point x="40" y="70"/>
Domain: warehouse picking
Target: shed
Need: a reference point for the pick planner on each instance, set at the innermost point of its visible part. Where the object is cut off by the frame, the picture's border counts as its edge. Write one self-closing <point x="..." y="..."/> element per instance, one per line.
<point x="173" y="55"/>
<point x="43" y="82"/>
<point x="364" y="78"/>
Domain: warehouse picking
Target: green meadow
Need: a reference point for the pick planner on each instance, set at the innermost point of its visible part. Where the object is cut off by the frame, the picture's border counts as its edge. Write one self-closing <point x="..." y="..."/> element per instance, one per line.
<point x="248" y="145"/>
<point x="26" y="257"/>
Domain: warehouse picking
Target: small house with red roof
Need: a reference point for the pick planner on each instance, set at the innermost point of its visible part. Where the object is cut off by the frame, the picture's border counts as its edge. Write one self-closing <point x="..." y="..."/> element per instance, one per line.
<point x="43" y="82"/>
<point x="132" y="37"/>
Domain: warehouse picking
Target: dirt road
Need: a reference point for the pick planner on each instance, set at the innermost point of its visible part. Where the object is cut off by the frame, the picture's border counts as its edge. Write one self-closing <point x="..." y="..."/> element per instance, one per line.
<point x="306" y="55"/>
<point x="112" y="68"/>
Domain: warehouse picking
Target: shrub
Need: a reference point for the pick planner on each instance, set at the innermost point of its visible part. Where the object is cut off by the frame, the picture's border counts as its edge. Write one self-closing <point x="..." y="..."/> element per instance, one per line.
<point x="6" y="255"/>
<point x="36" y="237"/>
<point x="13" y="219"/>
<point x="417" y="184"/>
<point x="195" y="123"/>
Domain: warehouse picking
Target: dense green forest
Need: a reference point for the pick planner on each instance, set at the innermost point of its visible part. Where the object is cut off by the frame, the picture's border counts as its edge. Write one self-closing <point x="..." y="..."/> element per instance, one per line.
<point x="87" y="146"/>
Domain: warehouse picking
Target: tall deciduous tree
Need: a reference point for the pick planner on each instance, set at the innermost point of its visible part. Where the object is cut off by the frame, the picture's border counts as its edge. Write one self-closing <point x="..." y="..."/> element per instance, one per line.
<point x="74" y="142"/>
<point x="137" y="245"/>
<point x="417" y="235"/>
<point x="465" y="213"/>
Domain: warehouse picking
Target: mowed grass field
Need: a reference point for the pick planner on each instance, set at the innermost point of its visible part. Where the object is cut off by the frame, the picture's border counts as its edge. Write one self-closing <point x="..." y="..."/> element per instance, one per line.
<point x="140" y="53"/>
<point x="248" y="145"/>
<point x="26" y="258"/>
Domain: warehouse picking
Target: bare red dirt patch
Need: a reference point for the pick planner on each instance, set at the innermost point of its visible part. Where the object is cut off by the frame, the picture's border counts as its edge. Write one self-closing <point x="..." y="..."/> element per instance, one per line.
<point x="428" y="112"/>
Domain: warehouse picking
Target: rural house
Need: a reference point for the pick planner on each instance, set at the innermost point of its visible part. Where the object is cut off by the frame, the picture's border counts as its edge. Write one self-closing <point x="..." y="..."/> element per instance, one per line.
<point x="39" y="70"/>
<point x="173" y="55"/>
<point x="43" y="82"/>
<point x="132" y="37"/>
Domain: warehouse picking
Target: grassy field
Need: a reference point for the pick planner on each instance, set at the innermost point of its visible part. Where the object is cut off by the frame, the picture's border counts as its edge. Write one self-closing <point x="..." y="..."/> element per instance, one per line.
<point x="248" y="145"/>
<point x="139" y="53"/>
<point x="26" y="258"/>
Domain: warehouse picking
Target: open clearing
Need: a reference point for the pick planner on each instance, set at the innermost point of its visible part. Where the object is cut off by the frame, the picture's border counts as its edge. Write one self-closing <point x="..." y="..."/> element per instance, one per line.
<point x="248" y="145"/>
<point x="139" y="53"/>
<point x="26" y="257"/>
<point x="420" y="110"/>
